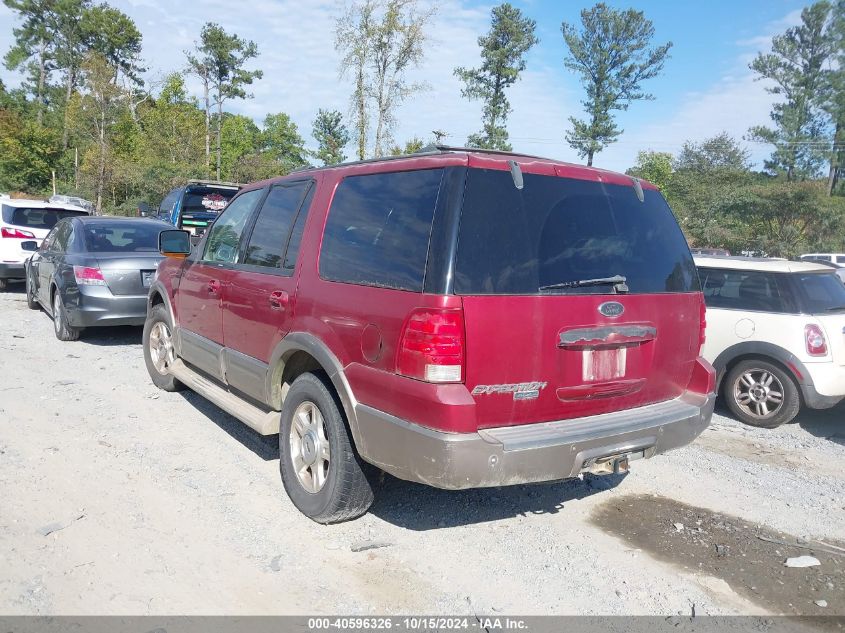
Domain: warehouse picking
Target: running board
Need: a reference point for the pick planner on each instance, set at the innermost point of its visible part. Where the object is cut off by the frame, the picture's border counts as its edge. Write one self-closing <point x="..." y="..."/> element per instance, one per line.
<point x="264" y="422"/>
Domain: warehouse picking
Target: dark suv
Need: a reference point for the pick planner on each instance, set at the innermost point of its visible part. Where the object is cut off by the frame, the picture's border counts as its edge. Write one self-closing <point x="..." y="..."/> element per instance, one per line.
<point x="459" y="318"/>
<point x="197" y="204"/>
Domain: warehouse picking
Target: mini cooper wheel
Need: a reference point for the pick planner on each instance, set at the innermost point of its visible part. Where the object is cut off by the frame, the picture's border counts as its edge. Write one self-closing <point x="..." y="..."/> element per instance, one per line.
<point x="761" y="394"/>
<point x="159" y="352"/>
<point x="321" y="472"/>
<point x="64" y="331"/>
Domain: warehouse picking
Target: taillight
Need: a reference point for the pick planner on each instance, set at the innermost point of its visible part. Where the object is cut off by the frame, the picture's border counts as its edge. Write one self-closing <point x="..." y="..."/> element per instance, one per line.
<point x="16" y="234"/>
<point x="814" y="337"/>
<point x="87" y="276"/>
<point x="702" y="328"/>
<point x="432" y="346"/>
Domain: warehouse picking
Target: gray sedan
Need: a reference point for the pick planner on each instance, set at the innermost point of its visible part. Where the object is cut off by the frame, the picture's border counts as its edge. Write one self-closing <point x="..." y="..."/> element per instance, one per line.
<point x="94" y="271"/>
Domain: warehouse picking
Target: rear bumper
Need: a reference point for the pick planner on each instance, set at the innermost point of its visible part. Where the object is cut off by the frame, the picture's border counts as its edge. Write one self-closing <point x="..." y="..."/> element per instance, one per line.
<point x="96" y="306"/>
<point x="824" y="384"/>
<point x="528" y="453"/>
<point x="12" y="270"/>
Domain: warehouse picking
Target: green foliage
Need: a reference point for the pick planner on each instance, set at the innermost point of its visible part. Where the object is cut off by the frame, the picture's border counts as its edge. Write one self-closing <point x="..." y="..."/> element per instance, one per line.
<point x="413" y="145"/>
<point x="613" y="55"/>
<point x="28" y="153"/>
<point x="503" y="52"/>
<point x="331" y="135"/>
<point x="795" y="66"/>
<point x="656" y="167"/>
<point x="721" y="152"/>
<point x="113" y="35"/>
<point x="283" y="142"/>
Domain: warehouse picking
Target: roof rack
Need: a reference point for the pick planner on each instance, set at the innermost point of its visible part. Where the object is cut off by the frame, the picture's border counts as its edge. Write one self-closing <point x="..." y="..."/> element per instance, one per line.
<point x="428" y="150"/>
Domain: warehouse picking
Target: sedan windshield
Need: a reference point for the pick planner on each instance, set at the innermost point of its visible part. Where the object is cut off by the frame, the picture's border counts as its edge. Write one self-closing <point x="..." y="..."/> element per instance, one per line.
<point x="121" y="237"/>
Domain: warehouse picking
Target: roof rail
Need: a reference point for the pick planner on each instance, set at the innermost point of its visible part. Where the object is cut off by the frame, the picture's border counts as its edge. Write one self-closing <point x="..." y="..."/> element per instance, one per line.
<point x="219" y="183"/>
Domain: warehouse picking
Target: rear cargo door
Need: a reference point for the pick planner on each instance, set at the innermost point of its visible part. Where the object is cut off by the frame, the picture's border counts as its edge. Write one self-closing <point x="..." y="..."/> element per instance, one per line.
<point x="546" y="338"/>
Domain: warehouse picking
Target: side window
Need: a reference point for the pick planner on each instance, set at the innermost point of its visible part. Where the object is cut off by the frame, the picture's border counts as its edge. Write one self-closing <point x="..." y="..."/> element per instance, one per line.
<point x="167" y="205"/>
<point x="742" y="290"/>
<point x="225" y="234"/>
<point x="62" y="238"/>
<point x="378" y="229"/>
<point x="296" y="234"/>
<point x="266" y="246"/>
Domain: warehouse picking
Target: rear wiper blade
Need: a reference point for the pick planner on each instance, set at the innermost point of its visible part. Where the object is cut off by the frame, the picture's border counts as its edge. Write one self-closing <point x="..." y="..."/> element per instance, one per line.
<point x="617" y="281"/>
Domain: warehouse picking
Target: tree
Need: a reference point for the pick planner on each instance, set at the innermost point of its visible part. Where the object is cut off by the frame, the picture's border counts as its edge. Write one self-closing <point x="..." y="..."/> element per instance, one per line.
<point x="219" y="62"/>
<point x="503" y="52"/>
<point x="411" y="146"/>
<point x="331" y="135"/>
<point x="656" y="167"/>
<point x="380" y="41"/>
<point x="721" y="152"/>
<point x="353" y="40"/>
<point x="795" y="67"/>
<point x="240" y="137"/>
<point x="28" y="153"/>
<point x="612" y="52"/>
<point x="31" y="47"/>
<point x="282" y="142"/>
<point x="833" y="94"/>
<point x="113" y="35"/>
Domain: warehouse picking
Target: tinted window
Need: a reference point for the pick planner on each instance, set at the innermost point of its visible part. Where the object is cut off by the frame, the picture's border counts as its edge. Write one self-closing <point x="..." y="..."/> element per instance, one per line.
<point x="62" y="238"/>
<point x="742" y="290"/>
<point x="206" y="199"/>
<point x="121" y="237"/>
<point x="225" y="233"/>
<point x="820" y="292"/>
<point x="37" y="218"/>
<point x="561" y="230"/>
<point x="166" y="207"/>
<point x="296" y="234"/>
<point x="840" y="259"/>
<point x="378" y="229"/>
<point x="270" y="234"/>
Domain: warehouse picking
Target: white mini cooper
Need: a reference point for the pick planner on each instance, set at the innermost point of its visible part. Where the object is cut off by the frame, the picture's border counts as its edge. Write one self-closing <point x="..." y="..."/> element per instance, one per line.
<point x="775" y="334"/>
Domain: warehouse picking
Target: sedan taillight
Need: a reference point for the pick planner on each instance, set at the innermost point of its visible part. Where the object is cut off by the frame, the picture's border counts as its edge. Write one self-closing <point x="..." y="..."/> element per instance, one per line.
<point x="87" y="276"/>
<point x="814" y="338"/>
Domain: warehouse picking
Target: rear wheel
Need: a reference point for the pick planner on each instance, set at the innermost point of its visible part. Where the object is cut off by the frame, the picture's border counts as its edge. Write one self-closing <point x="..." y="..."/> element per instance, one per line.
<point x="321" y="472"/>
<point x="31" y="300"/>
<point x="761" y="394"/>
<point x="63" y="329"/>
<point x="159" y="352"/>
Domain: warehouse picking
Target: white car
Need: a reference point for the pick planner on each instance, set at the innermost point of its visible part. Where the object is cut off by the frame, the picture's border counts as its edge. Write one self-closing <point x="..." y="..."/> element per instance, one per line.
<point x="775" y="334"/>
<point x="23" y="222"/>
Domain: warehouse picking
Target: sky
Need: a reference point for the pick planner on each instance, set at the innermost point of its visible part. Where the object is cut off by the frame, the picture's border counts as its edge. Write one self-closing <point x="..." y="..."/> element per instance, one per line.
<point x="706" y="86"/>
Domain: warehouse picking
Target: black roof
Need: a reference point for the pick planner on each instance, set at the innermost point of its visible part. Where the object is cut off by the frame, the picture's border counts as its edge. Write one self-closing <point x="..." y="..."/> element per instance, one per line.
<point x="95" y="219"/>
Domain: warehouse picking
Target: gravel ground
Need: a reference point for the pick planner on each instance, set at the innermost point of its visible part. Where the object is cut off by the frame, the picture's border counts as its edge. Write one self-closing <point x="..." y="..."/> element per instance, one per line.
<point x="118" y="499"/>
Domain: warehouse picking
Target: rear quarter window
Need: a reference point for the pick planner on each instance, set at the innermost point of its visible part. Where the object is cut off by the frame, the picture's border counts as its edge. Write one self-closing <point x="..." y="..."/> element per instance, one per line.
<point x="378" y="229"/>
<point x="750" y="290"/>
<point x="820" y="293"/>
<point x="558" y="230"/>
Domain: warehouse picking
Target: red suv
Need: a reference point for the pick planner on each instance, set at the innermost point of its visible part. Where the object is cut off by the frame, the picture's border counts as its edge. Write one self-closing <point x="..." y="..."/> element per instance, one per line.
<point x="460" y="318"/>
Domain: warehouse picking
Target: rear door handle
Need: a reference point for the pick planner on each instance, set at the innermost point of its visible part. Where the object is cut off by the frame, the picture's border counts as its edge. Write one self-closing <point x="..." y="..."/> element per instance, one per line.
<point x="279" y="300"/>
<point x="213" y="287"/>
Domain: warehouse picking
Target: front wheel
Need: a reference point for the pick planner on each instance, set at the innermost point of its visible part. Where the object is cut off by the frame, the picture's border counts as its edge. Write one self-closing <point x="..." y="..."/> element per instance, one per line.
<point x="761" y="394"/>
<point x="31" y="300"/>
<point x="159" y="352"/>
<point x="321" y="472"/>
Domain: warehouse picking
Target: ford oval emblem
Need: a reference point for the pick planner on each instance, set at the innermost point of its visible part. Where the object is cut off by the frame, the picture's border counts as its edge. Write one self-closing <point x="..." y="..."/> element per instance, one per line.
<point x="612" y="309"/>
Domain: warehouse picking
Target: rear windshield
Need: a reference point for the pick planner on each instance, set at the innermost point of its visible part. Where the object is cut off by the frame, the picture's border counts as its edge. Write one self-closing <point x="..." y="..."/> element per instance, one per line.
<point x="560" y="230"/>
<point x="820" y="292"/>
<point x="121" y="237"/>
<point x="206" y="199"/>
<point x="37" y="218"/>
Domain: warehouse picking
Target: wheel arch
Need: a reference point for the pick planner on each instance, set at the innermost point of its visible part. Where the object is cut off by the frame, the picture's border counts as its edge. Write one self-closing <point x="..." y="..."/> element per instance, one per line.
<point x="158" y="295"/>
<point x="298" y="353"/>
<point x="765" y="351"/>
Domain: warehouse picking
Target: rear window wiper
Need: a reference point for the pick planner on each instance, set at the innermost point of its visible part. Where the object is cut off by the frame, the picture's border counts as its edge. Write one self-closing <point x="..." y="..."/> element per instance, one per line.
<point x="617" y="281"/>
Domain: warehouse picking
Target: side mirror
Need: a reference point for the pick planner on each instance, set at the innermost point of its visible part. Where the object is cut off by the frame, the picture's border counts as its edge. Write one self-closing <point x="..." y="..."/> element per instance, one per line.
<point x="29" y="245"/>
<point x="174" y="243"/>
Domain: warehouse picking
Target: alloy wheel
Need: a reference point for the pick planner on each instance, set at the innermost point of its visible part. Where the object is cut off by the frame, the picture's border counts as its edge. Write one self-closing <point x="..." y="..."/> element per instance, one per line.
<point x="759" y="393"/>
<point x="309" y="447"/>
<point x="161" y="347"/>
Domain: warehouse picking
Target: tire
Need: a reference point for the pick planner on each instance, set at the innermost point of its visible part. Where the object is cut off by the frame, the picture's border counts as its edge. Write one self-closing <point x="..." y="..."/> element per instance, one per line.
<point x="158" y="348"/>
<point x="4" y="283"/>
<point x="336" y="486"/>
<point x="64" y="331"/>
<point x="761" y="393"/>
<point x="31" y="301"/>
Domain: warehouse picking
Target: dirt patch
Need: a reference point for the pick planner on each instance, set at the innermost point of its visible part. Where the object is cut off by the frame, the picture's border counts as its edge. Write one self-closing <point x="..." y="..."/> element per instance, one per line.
<point x="747" y="556"/>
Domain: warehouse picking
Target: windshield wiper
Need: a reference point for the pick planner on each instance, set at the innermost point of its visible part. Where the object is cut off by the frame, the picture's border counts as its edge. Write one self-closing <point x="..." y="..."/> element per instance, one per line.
<point x="835" y="308"/>
<point x="617" y="281"/>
